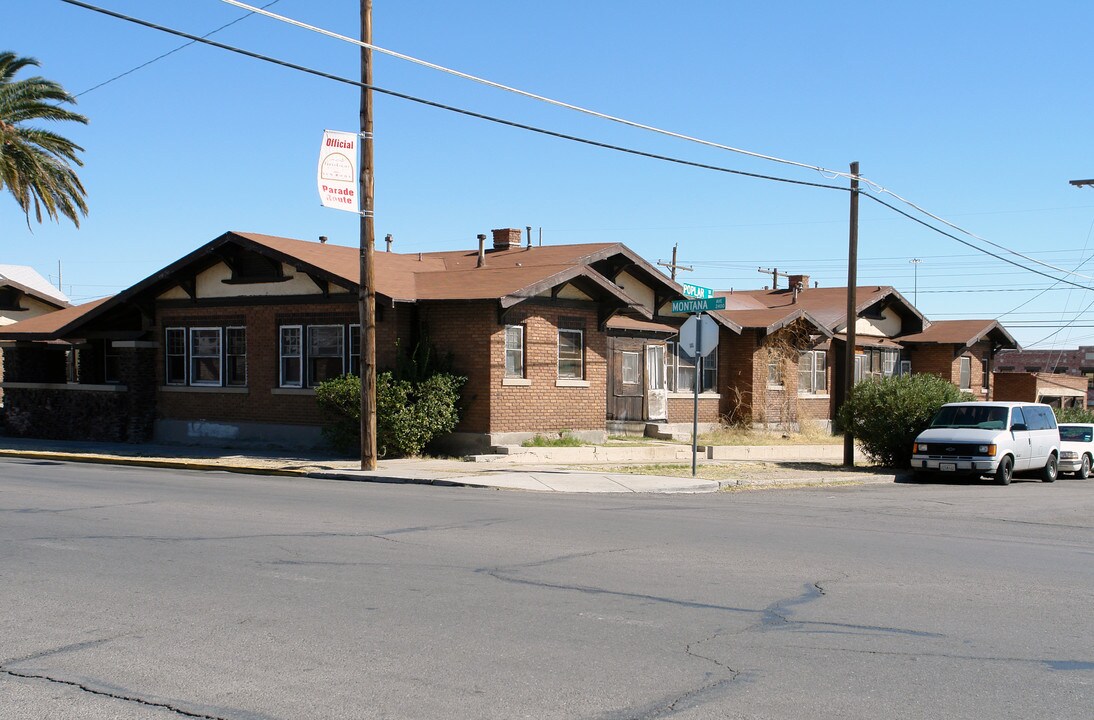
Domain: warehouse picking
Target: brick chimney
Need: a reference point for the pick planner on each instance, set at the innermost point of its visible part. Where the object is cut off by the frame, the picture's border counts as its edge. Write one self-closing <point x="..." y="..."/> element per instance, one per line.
<point x="797" y="281"/>
<point x="506" y="238"/>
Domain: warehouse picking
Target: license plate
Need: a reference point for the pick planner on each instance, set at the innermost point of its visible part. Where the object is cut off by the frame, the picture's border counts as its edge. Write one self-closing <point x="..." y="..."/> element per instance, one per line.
<point x="947" y="467"/>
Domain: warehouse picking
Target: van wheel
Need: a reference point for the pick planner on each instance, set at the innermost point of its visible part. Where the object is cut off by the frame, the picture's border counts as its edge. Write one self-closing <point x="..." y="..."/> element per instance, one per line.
<point x="1084" y="468"/>
<point x="1048" y="474"/>
<point x="1005" y="471"/>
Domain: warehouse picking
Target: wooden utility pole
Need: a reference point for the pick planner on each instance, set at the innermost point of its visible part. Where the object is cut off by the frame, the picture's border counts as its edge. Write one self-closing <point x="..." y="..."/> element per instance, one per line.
<point x="775" y="275"/>
<point x="673" y="267"/>
<point x="852" y="316"/>
<point x="366" y="294"/>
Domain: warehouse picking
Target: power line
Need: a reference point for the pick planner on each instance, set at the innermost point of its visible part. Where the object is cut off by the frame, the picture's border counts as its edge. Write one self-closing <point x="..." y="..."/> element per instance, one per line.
<point x="563" y="136"/>
<point x="833" y="173"/>
<point x="558" y="103"/>
<point x="450" y="108"/>
<point x="169" y="52"/>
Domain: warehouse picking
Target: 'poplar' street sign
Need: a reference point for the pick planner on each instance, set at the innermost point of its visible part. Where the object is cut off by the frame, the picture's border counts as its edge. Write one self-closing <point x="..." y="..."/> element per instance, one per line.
<point x="695" y="305"/>
<point x="695" y="291"/>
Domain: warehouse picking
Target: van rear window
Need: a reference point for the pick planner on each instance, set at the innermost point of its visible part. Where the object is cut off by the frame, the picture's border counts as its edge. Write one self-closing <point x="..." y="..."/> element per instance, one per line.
<point x="1076" y="434"/>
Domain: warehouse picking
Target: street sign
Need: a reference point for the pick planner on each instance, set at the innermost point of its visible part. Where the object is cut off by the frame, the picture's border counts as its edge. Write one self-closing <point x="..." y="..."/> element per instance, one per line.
<point x="699" y="335"/>
<point x="695" y="291"/>
<point x="695" y="305"/>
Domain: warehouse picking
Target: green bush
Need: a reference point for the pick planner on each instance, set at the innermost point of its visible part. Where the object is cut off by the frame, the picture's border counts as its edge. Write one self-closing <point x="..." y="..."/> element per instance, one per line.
<point x="885" y="417"/>
<point x="408" y="414"/>
<point x="1073" y="415"/>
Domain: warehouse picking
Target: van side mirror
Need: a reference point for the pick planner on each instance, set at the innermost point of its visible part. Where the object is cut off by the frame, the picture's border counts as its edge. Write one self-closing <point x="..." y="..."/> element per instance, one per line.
<point x="1019" y="427"/>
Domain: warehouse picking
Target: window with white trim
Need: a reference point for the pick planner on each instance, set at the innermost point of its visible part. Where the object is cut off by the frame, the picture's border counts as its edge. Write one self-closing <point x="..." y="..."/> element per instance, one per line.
<point x="175" y="353"/>
<point x="514" y="351"/>
<point x="680" y="370"/>
<point x="965" y="363"/>
<point x="205" y="360"/>
<point x="813" y="372"/>
<point x="571" y="354"/>
<point x="326" y="353"/>
<point x="774" y="372"/>
<point x="292" y="355"/>
<point x="235" y="356"/>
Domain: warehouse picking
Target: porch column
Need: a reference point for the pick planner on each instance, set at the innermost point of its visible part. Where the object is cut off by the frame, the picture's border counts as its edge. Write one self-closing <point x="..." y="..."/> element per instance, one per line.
<point x="137" y="371"/>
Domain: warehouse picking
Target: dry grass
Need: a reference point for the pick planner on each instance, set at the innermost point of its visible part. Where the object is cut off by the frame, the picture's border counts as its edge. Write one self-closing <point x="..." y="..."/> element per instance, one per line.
<point x="738" y="435"/>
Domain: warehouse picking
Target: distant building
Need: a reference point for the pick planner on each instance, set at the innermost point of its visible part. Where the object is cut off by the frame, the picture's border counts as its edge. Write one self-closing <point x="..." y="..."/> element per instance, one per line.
<point x="1074" y="362"/>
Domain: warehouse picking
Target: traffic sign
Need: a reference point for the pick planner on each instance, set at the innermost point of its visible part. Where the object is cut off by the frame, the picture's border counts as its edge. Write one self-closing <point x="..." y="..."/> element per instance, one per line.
<point x="695" y="291"/>
<point x="699" y="335"/>
<point x="695" y="305"/>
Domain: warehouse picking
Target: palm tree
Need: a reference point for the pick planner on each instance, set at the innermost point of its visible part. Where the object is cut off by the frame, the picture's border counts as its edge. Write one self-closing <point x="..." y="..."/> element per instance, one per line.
<point x="36" y="164"/>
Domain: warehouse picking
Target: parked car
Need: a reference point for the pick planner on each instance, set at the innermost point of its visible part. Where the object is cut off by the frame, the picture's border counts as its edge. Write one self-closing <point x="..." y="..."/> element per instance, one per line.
<point x="989" y="438"/>
<point x="1076" y="448"/>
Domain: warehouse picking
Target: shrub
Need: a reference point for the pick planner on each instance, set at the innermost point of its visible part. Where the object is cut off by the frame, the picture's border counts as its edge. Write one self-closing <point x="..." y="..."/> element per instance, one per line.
<point x="1073" y="415"/>
<point x="886" y="416"/>
<point x="408" y="414"/>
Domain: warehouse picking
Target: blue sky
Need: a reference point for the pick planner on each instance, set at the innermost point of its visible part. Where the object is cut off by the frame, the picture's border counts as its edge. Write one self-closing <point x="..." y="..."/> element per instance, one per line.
<point x="978" y="111"/>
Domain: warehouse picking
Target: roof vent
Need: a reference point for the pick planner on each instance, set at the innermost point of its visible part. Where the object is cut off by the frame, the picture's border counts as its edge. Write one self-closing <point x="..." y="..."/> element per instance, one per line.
<point x="323" y="239"/>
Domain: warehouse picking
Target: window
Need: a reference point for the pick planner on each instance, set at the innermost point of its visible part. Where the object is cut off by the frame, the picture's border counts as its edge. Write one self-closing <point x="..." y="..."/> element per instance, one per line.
<point x="355" y="350"/>
<point x="175" y="351"/>
<point x="774" y="372"/>
<point x="235" y="356"/>
<point x="631" y="370"/>
<point x="861" y="365"/>
<point x="571" y="347"/>
<point x="680" y="370"/>
<point x="985" y="372"/>
<point x="205" y="356"/>
<point x="291" y="356"/>
<point x="326" y="352"/>
<point x="514" y="351"/>
<point x="966" y="372"/>
<point x="905" y="367"/>
<point x="813" y="373"/>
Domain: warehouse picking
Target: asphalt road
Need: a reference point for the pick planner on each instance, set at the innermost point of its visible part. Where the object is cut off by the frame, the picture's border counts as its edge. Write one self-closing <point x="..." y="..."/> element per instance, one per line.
<point x="135" y="593"/>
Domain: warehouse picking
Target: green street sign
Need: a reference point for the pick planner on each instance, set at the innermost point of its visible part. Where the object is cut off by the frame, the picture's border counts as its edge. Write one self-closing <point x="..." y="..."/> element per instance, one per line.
<point x="695" y="291"/>
<point x="697" y="305"/>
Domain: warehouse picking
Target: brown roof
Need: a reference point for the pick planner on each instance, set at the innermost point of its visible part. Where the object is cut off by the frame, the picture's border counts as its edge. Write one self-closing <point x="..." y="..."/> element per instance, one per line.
<point x="770" y="319"/>
<point x="49" y="325"/>
<point x="962" y="332"/>
<point x="828" y="306"/>
<point x="627" y="322"/>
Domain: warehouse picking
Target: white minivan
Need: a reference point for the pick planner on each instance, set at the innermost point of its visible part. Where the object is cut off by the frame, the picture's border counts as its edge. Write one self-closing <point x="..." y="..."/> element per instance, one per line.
<point x="989" y="438"/>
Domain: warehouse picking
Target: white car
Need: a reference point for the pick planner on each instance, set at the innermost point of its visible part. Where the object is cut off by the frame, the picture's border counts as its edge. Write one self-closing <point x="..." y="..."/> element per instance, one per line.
<point x="1076" y="448"/>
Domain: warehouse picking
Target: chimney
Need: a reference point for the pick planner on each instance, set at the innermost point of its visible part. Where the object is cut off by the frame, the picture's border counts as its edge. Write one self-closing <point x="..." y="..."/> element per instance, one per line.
<point x="482" y="249"/>
<point x="388" y="239"/>
<point x="323" y="239"/>
<point x="799" y="282"/>
<point x="506" y="238"/>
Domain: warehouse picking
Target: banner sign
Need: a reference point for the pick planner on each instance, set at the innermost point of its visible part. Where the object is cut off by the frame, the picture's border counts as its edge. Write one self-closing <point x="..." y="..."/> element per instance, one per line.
<point x="338" y="171"/>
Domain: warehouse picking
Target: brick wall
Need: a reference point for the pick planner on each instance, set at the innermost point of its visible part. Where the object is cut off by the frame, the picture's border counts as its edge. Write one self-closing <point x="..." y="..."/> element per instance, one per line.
<point x="940" y="360"/>
<point x="259" y="402"/>
<point x="464" y="330"/>
<point x="1016" y="387"/>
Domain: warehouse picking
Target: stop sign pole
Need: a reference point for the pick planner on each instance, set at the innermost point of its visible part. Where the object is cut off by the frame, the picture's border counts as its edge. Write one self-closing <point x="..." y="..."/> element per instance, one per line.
<point x="698" y="338"/>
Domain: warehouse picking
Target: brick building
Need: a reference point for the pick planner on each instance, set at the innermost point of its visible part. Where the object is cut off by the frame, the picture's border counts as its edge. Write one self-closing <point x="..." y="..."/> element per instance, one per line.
<point x="25" y="294"/>
<point x="1073" y="362"/>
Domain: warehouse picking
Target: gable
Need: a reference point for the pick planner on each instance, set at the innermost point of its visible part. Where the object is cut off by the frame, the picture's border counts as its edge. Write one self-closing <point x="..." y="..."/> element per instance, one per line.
<point x="886" y="323"/>
<point x="221" y="281"/>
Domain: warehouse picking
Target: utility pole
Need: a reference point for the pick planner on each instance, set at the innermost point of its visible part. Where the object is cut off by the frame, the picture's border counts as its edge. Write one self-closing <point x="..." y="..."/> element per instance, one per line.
<point x="1081" y="183"/>
<point x="852" y="316"/>
<point x="775" y="275"/>
<point x="367" y="286"/>
<point x="673" y="267"/>
<point x="915" y="280"/>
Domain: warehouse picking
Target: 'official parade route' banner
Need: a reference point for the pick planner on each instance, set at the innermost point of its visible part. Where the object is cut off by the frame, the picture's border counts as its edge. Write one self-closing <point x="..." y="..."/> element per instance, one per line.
<point x="338" y="171"/>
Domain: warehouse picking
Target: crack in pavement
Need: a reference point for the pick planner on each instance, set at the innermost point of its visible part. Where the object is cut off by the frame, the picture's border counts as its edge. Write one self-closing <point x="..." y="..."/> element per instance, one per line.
<point x="28" y="511"/>
<point x="111" y="695"/>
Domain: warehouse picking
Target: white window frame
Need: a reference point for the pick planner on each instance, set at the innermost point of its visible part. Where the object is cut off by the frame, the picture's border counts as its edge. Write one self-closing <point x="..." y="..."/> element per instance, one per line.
<point x="776" y="373"/>
<point x="167" y="355"/>
<point x="194" y="357"/>
<point x="708" y="366"/>
<point x="905" y="367"/>
<point x="518" y="350"/>
<point x="229" y="354"/>
<point x="299" y="356"/>
<point x="580" y="355"/>
<point x="964" y="364"/>
<point x="309" y="356"/>
<point x="817" y="371"/>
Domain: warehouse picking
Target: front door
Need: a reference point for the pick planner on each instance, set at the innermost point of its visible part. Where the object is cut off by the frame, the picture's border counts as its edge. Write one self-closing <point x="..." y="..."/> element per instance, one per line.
<point x="657" y="396"/>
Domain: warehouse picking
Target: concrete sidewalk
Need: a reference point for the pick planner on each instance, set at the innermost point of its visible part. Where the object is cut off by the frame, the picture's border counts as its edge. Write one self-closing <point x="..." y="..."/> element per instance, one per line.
<point x="518" y="475"/>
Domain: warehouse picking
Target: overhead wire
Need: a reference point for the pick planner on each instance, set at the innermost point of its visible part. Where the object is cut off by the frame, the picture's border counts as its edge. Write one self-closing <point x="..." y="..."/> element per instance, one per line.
<point x="825" y="172"/>
<point x="451" y="108"/>
<point x="564" y="136"/>
<point x="169" y="52"/>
